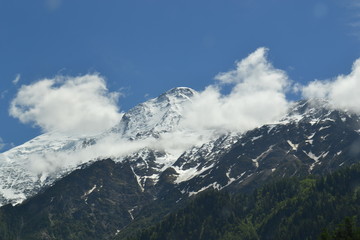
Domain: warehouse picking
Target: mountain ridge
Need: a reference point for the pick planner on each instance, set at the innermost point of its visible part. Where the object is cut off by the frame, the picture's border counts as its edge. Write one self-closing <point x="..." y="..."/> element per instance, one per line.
<point x="148" y="179"/>
<point x="233" y="159"/>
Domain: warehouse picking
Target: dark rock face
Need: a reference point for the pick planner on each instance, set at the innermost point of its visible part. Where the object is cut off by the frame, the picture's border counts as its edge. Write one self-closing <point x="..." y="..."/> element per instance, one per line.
<point x="90" y="203"/>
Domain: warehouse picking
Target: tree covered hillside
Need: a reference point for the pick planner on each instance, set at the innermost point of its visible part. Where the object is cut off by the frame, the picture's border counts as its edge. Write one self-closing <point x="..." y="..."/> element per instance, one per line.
<point x="285" y="209"/>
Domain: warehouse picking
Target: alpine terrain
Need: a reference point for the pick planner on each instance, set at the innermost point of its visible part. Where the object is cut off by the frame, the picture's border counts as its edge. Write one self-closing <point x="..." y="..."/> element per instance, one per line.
<point x="149" y="165"/>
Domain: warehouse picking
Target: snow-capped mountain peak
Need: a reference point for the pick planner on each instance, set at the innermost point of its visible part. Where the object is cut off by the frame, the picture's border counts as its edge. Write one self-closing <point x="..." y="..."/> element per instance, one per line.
<point x="158" y="115"/>
<point x="27" y="168"/>
<point x="313" y="111"/>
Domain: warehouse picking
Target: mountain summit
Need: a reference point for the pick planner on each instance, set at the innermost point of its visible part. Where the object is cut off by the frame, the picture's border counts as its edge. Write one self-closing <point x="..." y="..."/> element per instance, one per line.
<point x="158" y="115"/>
<point x="26" y="169"/>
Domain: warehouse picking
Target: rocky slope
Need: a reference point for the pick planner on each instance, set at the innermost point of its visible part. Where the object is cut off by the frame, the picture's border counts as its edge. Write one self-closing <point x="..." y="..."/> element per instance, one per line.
<point x="311" y="139"/>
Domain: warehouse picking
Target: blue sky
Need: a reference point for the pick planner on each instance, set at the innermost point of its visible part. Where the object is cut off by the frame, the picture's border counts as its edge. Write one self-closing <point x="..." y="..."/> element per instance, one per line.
<point x="145" y="47"/>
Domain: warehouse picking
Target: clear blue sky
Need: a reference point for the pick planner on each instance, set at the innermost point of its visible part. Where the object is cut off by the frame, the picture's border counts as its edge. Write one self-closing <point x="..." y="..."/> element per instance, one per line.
<point x="145" y="47"/>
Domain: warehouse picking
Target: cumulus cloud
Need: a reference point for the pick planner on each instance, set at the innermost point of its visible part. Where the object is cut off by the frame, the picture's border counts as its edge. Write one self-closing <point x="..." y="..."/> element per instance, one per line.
<point x="341" y="92"/>
<point x="73" y="105"/>
<point x="257" y="96"/>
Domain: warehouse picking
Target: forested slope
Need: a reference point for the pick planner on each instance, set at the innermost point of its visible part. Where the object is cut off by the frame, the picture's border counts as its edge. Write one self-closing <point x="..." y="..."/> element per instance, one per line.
<point x="289" y="208"/>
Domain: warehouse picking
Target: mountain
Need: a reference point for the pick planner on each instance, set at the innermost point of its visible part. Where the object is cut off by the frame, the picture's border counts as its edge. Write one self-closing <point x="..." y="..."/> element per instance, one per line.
<point x="149" y="165"/>
<point x="156" y="116"/>
<point x="20" y="174"/>
<point x="311" y="139"/>
<point x="28" y="168"/>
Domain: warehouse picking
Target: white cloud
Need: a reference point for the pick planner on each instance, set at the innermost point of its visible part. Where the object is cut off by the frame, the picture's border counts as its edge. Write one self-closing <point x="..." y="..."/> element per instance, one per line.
<point x="16" y="79"/>
<point x="73" y="105"/>
<point x="342" y="92"/>
<point x="257" y="97"/>
<point x="110" y="146"/>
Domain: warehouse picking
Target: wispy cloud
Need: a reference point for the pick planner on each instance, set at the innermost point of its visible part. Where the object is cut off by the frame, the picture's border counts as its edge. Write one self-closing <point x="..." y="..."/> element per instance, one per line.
<point x="2" y="144"/>
<point x="5" y="145"/>
<point x="16" y="79"/>
<point x="354" y="17"/>
<point x="53" y="4"/>
<point x="113" y="145"/>
<point x="81" y="105"/>
<point x="3" y="94"/>
<point x="320" y="10"/>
